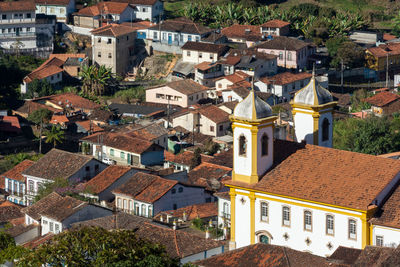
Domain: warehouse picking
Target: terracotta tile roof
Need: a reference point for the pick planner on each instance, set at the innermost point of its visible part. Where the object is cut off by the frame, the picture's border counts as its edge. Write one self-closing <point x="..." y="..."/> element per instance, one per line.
<point x="182" y="25"/>
<point x="30" y="106"/>
<point x="149" y="132"/>
<point x="9" y="6"/>
<point x="264" y="255"/>
<point x="34" y="210"/>
<point x="345" y="255"/>
<point x="57" y="164"/>
<point x="214" y="113"/>
<point x="186" y="87"/>
<point x="115" y="8"/>
<point x="42" y="73"/>
<point x="20" y="229"/>
<point x="10" y="212"/>
<point x="275" y="23"/>
<point x="90" y="127"/>
<point x="145" y="187"/>
<point x="317" y="173"/>
<point x="53" y="2"/>
<point x="178" y="244"/>
<point x="344" y="100"/>
<point x="205" y="65"/>
<point x="139" y="25"/>
<point x="280" y="42"/>
<point x="117" y="221"/>
<point x="384" y="49"/>
<point x="62" y="208"/>
<point x="236" y="77"/>
<point x="121" y="141"/>
<point x="248" y="32"/>
<point x="38" y="241"/>
<point x="389" y="214"/>
<point x="230" y="60"/>
<point x="230" y="105"/>
<point x="100" y="115"/>
<point x="184" y="157"/>
<point x="205" y="47"/>
<point x="223" y="195"/>
<point x="376" y="256"/>
<point x="204" y="210"/>
<point x="140" y="2"/>
<point x="59" y="119"/>
<point x="208" y="175"/>
<point x="382" y="99"/>
<point x="113" y="30"/>
<point x="70" y="99"/>
<point x="388" y="37"/>
<point x="286" y="78"/>
<point x="106" y="178"/>
<point x="224" y="158"/>
<point x="16" y="172"/>
<point x="10" y="124"/>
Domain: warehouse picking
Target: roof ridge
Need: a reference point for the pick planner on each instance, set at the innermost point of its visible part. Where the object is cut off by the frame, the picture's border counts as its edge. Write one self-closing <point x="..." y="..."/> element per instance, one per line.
<point x="176" y="244"/>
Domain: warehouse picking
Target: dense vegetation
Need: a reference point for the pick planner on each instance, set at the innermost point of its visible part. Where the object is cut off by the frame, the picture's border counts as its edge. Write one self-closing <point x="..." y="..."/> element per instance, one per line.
<point x="11" y="160"/>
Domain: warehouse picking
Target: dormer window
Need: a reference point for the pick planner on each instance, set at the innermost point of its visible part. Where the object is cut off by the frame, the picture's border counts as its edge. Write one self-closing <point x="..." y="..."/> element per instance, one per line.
<point x="264" y="145"/>
<point x="242" y="145"/>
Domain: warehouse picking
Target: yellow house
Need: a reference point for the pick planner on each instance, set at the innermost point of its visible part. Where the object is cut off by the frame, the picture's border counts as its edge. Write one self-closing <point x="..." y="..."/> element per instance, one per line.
<point x="377" y="58"/>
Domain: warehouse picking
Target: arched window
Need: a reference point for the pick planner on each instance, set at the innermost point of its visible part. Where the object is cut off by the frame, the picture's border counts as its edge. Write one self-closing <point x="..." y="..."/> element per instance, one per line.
<point x="325" y="130"/>
<point x="289" y="56"/>
<point x="242" y="145"/>
<point x="329" y="225"/>
<point x="307" y="220"/>
<point x="264" y="145"/>
<point x="264" y="239"/>
<point x="143" y="210"/>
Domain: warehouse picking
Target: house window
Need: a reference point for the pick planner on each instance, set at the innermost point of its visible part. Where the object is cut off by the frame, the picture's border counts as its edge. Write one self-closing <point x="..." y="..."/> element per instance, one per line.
<point x="109" y="55"/>
<point x="112" y="152"/>
<point x="188" y="53"/>
<point x="149" y="212"/>
<point x="99" y="40"/>
<point x="57" y="228"/>
<point x="307" y="220"/>
<point x="144" y="9"/>
<point x="352" y="229"/>
<point x="197" y="38"/>
<point x="96" y="167"/>
<point x="242" y="145"/>
<point x="3" y="16"/>
<point x="173" y="191"/>
<point x="180" y="189"/>
<point x="286" y="216"/>
<point x="379" y="241"/>
<point x="189" y="38"/>
<point x="164" y="35"/>
<point x="44" y="222"/>
<point x="289" y="56"/>
<point x="154" y="35"/>
<point x="51" y="227"/>
<point x="28" y="15"/>
<point x="264" y="211"/>
<point x="109" y="41"/>
<point x="174" y="207"/>
<point x="125" y="204"/>
<point x="200" y="55"/>
<point x="119" y="203"/>
<point x="15" y="187"/>
<point x="325" y="130"/>
<point x="99" y="54"/>
<point x="264" y="239"/>
<point x="143" y="210"/>
<point x="181" y="38"/>
<point x="136" y="209"/>
<point x="122" y="154"/>
<point x="211" y="56"/>
<point x="264" y="145"/>
<point x="21" y="188"/>
<point x="31" y="185"/>
<point x="127" y="37"/>
<point x="226" y="210"/>
<point x="9" y="185"/>
<point x="221" y="128"/>
<point x="329" y="225"/>
<point x="211" y="128"/>
<point x="87" y="168"/>
<point x="280" y="55"/>
<point x="176" y="37"/>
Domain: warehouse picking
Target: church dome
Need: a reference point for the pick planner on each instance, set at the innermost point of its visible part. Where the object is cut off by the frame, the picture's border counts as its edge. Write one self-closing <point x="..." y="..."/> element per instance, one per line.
<point x="313" y="94"/>
<point x="252" y="108"/>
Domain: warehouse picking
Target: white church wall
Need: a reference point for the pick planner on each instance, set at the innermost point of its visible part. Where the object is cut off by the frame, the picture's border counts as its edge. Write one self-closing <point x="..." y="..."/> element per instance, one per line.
<point x="242" y="163"/>
<point x="391" y="236"/>
<point x="304" y="126"/>
<point x="242" y="223"/>
<point x="264" y="162"/>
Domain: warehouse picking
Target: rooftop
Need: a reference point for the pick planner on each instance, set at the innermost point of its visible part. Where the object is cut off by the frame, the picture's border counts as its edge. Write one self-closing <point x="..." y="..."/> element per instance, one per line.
<point x="205" y="47"/>
<point x="103" y="7"/>
<point x="208" y="175"/>
<point x="238" y="76"/>
<point x="9" y="6"/>
<point x="16" y="172"/>
<point x="252" y="108"/>
<point x="136" y="109"/>
<point x="149" y="132"/>
<point x="106" y="178"/>
<point x="10" y="124"/>
<point x="9" y="212"/>
<point x="204" y="210"/>
<point x="182" y="25"/>
<point x="186" y="87"/>
<point x="312" y="94"/>
<point x="184" y="158"/>
<point x="382" y="99"/>
<point x="275" y="23"/>
<point x="45" y="203"/>
<point x="286" y="78"/>
<point x="117" y="221"/>
<point x="385" y="49"/>
<point x="53" y="2"/>
<point x="341" y="178"/>
<point x="57" y="164"/>
<point x="63" y="208"/>
<point x="68" y="99"/>
<point x="214" y="113"/>
<point x="145" y="187"/>
<point x="112" y="30"/>
<point x="282" y="42"/>
<point x="248" y="32"/>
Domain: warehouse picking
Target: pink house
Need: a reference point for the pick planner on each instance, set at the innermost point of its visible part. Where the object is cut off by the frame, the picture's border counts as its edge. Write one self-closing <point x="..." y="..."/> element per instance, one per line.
<point x="182" y="93"/>
<point x="292" y="53"/>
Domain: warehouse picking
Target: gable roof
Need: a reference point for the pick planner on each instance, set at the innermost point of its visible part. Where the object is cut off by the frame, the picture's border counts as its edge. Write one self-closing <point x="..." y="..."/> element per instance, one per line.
<point x="214" y="113"/>
<point x="205" y="47"/>
<point x="341" y="178"/>
<point x="9" y="211"/>
<point x="16" y="172"/>
<point x="53" y="2"/>
<point x="34" y="210"/>
<point x="113" y="30"/>
<point x="182" y="25"/>
<point x="136" y="109"/>
<point x="281" y="42"/>
<point x="204" y="210"/>
<point x="105" y="8"/>
<point x="248" y="32"/>
<point x="140" y="2"/>
<point x="9" y="6"/>
<point x="62" y="208"/>
<point x="384" y="49"/>
<point x="345" y="255"/>
<point x="238" y="76"/>
<point x="69" y="99"/>
<point x="382" y="99"/>
<point x="121" y="141"/>
<point x="106" y="178"/>
<point x="264" y="255"/>
<point x="208" y="175"/>
<point x="185" y="157"/>
<point x="117" y="221"/>
<point x="10" y="124"/>
<point x="145" y="187"/>
<point x="30" y="106"/>
<point x="149" y="132"/>
<point x="57" y="164"/>
<point x="286" y="78"/>
<point x="186" y="87"/>
<point x="275" y="23"/>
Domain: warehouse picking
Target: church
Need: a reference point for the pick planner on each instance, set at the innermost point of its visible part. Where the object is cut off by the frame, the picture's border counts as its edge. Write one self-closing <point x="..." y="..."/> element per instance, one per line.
<point x="304" y="195"/>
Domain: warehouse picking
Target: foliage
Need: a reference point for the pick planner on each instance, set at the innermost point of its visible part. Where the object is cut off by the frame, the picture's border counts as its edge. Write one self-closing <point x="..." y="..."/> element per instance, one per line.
<point x="198" y="224"/>
<point x="196" y="160"/>
<point x="55" y="135"/>
<point x="5" y="240"/>
<point x="396" y="25"/>
<point x="353" y="55"/>
<point x="40" y="116"/>
<point x="333" y="44"/>
<point x="357" y="100"/>
<point x="61" y="186"/>
<point x="97" y="80"/>
<point x="10" y="161"/>
<point x="92" y="246"/>
<point x="39" y="88"/>
<point x="210" y="147"/>
<point x="8" y="250"/>
<point x="373" y="135"/>
<point x="137" y="92"/>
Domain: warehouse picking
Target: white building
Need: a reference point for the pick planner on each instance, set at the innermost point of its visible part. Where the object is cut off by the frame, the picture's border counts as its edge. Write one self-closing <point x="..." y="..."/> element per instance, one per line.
<point x="17" y="25"/>
<point x="306" y="197"/>
<point x="151" y="10"/>
<point x="198" y="52"/>
<point x="224" y="209"/>
<point x="60" y="8"/>
<point x="14" y="182"/>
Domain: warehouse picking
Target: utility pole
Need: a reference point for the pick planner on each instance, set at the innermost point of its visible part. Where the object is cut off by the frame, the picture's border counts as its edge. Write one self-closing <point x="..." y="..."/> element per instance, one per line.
<point x="341" y="74"/>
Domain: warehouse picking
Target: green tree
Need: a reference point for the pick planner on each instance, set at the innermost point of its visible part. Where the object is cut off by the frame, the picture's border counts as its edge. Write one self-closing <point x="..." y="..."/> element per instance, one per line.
<point x="358" y="100"/>
<point x="39" y="88"/>
<point x="196" y="160"/>
<point x="39" y="117"/>
<point x="55" y="135"/>
<point x="353" y="55"/>
<point x="90" y="246"/>
<point x="11" y="160"/>
<point x="8" y="250"/>
<point x="211" y="147"/>
<point x="97" y="81"/>
<point x="5" y="240"/>
<point x="396" y="25"/>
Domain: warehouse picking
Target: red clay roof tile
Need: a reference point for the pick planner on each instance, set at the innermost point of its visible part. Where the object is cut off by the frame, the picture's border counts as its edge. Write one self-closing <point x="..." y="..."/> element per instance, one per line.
<point x="382" y="99"/>
<point x="106" y="178"/>
<point x="16" y="172"/>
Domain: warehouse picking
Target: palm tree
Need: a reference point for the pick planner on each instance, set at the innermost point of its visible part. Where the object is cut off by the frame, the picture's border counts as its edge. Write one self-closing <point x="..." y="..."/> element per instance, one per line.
<point x="96" y="80"/>
<point x="55" y="135"/>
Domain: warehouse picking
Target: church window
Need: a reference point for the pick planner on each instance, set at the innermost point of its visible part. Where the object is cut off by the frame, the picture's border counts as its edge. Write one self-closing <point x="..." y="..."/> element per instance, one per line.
<point x="264" y="211"/>
<point x="264" y="145"/>
<point x="286" y="216"/>
<point x="352" y="229"/>
<point x="264" y="239"/>
<point x="307" y="220"/>
<point x="242" y="145"/>
<point x="325" y="130"/>
<point x="379" y="241"/>
<point x="329" y="224"/>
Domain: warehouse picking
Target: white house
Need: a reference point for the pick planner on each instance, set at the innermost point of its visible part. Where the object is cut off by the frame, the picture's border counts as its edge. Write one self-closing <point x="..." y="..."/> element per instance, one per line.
<point x="151" y="10"/>
<point x="224" y="209"/>
<point x="60" y="8"/>
<point x="146" y="195"/>
<point x="234" y="78"/>
<point x="306" y="197"/>
<point x="59" y="164"/>
<point x="198" y="52"/>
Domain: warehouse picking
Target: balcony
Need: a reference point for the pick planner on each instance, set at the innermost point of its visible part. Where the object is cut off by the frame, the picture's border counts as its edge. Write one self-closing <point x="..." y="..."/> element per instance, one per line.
<point x="16" y="21"/>
<point x="17" y="34"/>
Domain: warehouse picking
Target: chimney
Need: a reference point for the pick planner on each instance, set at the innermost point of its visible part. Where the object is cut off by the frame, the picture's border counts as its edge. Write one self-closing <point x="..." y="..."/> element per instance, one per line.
<point x="207" y="234"/>
<point x="184" y="217"/>
<point x="174" y="225"/>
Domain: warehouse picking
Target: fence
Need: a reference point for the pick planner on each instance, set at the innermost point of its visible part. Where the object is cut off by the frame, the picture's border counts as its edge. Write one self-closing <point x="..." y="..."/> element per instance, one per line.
<point x="78" y="30"/>
<point x="41" y="52"/>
